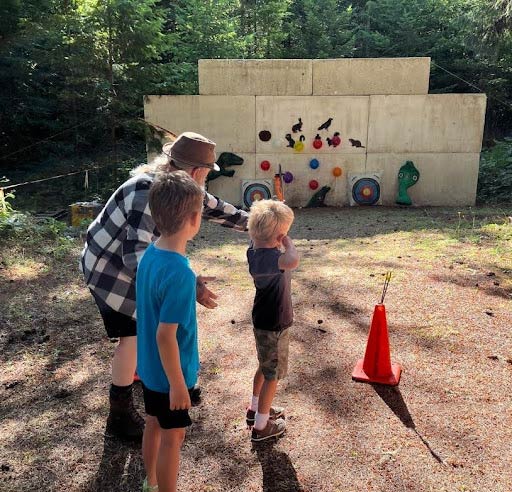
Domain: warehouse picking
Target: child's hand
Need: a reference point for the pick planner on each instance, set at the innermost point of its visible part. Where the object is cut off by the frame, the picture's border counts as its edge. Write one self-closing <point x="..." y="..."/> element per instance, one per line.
<point x="179" y="398"/>
<point x="287" y="242"/>
<point x="204" y="295"/>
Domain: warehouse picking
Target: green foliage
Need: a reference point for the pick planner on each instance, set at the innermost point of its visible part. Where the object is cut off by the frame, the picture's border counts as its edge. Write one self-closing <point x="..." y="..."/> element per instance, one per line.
<point x="495" y="178"/>
<point x="73" y="74"/>
<point x="320" y="29"/>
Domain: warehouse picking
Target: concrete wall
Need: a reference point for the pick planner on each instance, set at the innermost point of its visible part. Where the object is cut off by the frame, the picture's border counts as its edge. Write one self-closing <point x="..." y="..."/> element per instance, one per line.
<point x="227" y="120"/>
<point x="278" y="114"/>
<point x="365" y="76"/>
<point x="441" y="134"/>
<point x="255" y="77"/>
<point x="445" y="179"/>
<point x="430" y="123"/>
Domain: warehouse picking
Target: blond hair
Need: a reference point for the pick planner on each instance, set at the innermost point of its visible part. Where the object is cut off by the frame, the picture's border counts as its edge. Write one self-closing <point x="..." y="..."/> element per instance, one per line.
<point x="268" y="218"/>
<point x="160" y="163"/>
<point x="173" y="198"/>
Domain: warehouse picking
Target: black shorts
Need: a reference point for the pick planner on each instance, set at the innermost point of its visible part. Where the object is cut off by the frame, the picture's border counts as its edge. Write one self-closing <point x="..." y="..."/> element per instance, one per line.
<point x="117" y="324"/>
<point x="157" y="405"/>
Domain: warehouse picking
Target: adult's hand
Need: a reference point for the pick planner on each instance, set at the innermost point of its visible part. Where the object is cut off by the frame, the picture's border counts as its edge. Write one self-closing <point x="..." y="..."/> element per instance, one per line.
<point x="204" y="295"/>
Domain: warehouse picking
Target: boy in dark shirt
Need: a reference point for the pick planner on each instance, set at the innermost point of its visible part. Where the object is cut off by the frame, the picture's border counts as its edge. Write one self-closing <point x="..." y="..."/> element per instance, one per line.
<point x="271" y="257"/>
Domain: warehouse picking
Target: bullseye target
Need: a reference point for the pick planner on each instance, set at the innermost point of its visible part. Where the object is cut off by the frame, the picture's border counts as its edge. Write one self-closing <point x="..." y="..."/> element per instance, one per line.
<point x="254" y="190"/>
<point x="365" y="189"/>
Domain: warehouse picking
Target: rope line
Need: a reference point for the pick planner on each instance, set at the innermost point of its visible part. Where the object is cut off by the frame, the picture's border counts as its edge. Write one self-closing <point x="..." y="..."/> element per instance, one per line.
<point x="96" y="168"/>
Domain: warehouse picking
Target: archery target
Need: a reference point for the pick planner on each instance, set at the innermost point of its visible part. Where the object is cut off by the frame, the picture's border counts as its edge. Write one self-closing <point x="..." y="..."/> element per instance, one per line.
<point x="364" y="189"/>
<point x="256" y="189"/>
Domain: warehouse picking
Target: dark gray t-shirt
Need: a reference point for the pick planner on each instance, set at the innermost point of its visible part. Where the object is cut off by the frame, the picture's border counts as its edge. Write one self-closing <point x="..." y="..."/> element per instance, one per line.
<point x="272" y="309"/>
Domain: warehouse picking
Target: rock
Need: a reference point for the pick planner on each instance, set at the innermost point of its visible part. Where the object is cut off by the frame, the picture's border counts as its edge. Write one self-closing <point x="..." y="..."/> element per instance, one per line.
<point x="320" y="321"/>
<point x="491" y="274"/>
<point x="232" y="321"/>
<point x="489" y="313"/>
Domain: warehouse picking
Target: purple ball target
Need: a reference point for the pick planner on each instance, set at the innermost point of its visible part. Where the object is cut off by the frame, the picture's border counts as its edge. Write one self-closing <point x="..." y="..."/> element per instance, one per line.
<point x="287" y="177"/>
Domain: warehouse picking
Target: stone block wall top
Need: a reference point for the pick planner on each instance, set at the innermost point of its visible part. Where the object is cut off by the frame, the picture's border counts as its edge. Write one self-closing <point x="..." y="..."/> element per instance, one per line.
<point x="255" y="77"/>
<point x="368" y="76"/>
<point x="431" y="123"/>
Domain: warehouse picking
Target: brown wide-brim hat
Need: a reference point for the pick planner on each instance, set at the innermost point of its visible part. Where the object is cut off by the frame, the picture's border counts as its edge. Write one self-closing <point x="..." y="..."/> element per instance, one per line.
<point x="192" y="150"/>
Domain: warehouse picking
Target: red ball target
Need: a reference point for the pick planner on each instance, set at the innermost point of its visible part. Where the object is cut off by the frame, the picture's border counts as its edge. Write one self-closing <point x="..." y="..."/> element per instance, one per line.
<point x="313" y="184"/>
<point x="265" y="165"/>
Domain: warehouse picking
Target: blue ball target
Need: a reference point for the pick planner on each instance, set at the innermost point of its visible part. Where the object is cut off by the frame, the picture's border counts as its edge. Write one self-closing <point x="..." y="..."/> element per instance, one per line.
<point x="313" y="163"/>
<point x="366" y="191"/>
<point x="256" y="191"/>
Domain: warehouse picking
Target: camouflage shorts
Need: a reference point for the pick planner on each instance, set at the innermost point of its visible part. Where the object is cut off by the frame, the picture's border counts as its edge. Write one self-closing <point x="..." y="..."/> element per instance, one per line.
<point x="272" y="348"/>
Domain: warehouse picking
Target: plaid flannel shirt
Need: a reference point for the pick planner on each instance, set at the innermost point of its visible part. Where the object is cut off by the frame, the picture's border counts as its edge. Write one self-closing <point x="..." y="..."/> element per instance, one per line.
<point x="118" y="237"/>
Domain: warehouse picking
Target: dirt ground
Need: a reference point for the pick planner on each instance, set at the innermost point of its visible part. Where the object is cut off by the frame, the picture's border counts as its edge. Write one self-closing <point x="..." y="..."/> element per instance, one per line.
<point x="446" y="427"/>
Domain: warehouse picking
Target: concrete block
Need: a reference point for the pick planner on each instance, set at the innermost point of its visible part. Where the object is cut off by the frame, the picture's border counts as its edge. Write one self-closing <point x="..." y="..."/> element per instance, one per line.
<point x="445" y="179"/>
<point x="230" y="189"/>
<point x="227" y="120"/>
<point x="279" y="114"/>
<point x="298" y="193"/>
<point x="440" y="123"/>
<point x="364" y="76"/>
<point x="255" y="77"/>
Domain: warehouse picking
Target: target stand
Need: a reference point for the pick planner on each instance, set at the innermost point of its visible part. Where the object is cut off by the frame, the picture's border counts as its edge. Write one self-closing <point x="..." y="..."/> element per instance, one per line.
<point x="254" y="190"/>
<point x="364" y="189"/>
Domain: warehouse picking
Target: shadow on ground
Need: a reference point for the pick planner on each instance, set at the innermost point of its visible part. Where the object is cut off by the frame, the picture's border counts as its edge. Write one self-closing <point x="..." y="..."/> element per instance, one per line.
<point x="279" y="474"/>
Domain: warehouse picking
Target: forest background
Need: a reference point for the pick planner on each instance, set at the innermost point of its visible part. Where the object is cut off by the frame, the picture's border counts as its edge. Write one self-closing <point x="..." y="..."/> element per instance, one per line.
<point x="73" y="73"/>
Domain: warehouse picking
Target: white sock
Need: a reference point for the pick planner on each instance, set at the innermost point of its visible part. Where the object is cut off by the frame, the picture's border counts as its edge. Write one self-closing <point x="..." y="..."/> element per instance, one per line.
<point x="261" y="420"/>
<point x="254" y="403"/>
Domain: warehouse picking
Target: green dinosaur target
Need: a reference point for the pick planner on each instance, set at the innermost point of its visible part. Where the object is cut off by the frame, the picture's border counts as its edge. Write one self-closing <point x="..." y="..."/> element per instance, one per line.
<point x="408" y="176"/>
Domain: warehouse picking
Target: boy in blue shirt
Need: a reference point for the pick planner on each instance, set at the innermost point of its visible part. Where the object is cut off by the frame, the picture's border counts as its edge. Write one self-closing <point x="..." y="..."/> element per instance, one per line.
<point x="167" y="348"/>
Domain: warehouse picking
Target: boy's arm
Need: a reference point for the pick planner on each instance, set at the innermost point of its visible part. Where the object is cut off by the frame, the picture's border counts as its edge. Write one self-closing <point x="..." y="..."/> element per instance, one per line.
<point x="170" y="357"/>
<point x="289" y="260"/>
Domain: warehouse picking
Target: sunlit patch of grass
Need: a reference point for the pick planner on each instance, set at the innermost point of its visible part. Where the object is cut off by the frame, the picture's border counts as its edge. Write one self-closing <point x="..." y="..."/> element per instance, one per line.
<point x="24" y="269"/>
<point x="434" y="331"/>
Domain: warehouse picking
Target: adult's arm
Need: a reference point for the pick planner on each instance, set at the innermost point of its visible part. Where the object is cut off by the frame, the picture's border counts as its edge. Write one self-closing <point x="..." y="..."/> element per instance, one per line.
<point x="217" y="210"/>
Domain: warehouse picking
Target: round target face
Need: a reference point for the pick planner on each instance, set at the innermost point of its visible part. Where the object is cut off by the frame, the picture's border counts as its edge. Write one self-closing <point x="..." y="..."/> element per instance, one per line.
<point x="366" y="191"/>
<point x="256" y="191"/>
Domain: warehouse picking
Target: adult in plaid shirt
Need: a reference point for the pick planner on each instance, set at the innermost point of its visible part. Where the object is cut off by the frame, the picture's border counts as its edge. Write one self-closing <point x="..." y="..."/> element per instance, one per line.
<point x="116" y="241"/>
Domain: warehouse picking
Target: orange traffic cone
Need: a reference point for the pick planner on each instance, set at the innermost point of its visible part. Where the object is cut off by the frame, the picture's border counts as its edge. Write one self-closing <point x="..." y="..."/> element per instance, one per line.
<point x="376" y="366"/>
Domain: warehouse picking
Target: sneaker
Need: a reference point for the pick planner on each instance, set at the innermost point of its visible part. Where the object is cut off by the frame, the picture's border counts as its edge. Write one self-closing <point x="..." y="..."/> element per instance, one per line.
<point x="275" y="413"/>
<point x="273" y="428"/>
<point x="123" y="419"/>
<point x="195" y="395"/>
<point x="148" y="488"/>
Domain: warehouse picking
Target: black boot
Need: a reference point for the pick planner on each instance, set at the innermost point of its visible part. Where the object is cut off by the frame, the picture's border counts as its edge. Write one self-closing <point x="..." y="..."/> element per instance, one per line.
<point x="195" y="395"/>
<point x="123" y="420"/>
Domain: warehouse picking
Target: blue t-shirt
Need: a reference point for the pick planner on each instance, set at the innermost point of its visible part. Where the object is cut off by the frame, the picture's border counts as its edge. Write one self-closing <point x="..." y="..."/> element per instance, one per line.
<point x="165" y="292"/>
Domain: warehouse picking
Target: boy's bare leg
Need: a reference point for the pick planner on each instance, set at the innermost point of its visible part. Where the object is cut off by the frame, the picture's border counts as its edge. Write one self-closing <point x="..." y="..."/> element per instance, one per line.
<point x="259" y="379"/>
<point x="268" y="390"/>
<point x="168" y="461"/>
<point x="124" y="361"/>
<point x="150" y="447"/>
